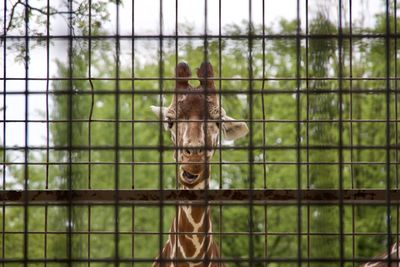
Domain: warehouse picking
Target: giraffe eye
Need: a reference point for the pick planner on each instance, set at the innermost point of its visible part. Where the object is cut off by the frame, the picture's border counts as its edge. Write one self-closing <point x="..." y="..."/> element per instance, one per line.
<point x="170" y="123"/>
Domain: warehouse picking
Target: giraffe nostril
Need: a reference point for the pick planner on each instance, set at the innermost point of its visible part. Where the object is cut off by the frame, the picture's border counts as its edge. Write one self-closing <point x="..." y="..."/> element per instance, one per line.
<point x="187" y="152"/>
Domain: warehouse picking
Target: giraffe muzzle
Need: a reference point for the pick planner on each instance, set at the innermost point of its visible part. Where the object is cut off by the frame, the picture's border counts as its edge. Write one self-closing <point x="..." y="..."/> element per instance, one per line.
<point x="189" y="176"/>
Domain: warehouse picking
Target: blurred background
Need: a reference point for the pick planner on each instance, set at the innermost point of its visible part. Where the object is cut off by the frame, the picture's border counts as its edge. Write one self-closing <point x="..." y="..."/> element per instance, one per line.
<point x="316" y="79"/>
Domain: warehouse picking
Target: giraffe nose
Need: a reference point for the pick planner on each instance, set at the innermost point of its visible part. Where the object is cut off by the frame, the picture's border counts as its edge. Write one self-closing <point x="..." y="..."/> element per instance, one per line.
<point x="192" y="148"/>
<point x="190" y="151"/>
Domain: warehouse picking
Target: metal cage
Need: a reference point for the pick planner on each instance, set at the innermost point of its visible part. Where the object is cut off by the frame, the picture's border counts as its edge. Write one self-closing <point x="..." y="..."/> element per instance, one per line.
<point x="88" y="177"/>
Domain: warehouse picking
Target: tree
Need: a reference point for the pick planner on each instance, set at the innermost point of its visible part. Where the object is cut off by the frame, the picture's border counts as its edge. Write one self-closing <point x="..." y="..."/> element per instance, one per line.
<point x="87" y="109"/>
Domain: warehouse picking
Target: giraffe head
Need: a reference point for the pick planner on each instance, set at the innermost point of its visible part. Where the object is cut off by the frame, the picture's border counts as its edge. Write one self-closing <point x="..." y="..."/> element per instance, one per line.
<point x="195" y="120"/>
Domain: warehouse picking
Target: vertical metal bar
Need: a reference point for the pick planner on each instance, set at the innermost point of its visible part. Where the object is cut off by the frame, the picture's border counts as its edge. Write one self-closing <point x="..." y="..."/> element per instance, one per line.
<point x="70" y="131"/>
<point x="176" y="131"/>
<point x="388" y="177"/>
<point x="116" y="132"/>
<point x="47" y="124"/>
<point x="26" y="146"/>
<point x="205" y="51"/>
<point x="206" y="90"/>
<point x="251" y="130"/>
<point x="298" y="133"/>
<point x="89" y="234"/>
<point x="91" y="95"/>
<point x="340" y="74"/>
<point x="176" y="32"/>
<point x="4" y="152"/>
<point x="264" y="136"/>
<point x="161" y="139"/>
<point x="352" y="171"/>
<point x="133" y="130"/>
<point x="220" y="88"/>
<point x="207" y="208"/>
<point x="220" y="128"/>
<point x="90" y="130"/>
<point x="396" y="134"/>
<point x="307" y="133"/>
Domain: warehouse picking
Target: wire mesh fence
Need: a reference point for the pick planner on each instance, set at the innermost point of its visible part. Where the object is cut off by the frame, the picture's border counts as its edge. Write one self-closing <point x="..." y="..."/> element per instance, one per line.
<point x="92" y="177"/>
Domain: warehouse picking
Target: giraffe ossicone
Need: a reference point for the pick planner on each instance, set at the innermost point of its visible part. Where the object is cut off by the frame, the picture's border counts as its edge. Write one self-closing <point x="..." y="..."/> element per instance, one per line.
<point x="194" y="119"/>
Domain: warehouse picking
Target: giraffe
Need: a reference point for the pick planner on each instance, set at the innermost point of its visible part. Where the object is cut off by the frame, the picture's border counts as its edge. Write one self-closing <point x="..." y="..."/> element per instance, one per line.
<point x="193" y="119"/>
<point x="380" y="261"/>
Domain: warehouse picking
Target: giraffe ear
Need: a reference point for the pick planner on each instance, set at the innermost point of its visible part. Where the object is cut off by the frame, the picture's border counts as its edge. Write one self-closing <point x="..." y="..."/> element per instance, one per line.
<point x="161" y="111"/>
<point x="231" y="128"/>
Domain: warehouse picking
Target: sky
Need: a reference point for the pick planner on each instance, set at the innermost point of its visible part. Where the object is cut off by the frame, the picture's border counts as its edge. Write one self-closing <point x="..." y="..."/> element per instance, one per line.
<point x="146" y="14"/>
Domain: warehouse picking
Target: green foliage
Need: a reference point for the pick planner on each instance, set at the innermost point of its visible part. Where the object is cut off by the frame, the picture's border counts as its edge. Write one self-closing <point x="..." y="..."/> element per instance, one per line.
<point x="114" y="121"/>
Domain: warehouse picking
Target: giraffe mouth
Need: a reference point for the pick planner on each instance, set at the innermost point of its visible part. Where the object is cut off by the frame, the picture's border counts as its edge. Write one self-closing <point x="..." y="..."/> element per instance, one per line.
<point x="189" y="176"/>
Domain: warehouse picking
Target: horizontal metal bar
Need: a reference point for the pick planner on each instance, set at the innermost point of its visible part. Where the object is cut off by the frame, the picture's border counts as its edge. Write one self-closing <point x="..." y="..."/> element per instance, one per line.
<point x="174" y="148"/>
<point x="233" y="260"/>
<point x="173" y="163"/>
<point x="201" y="197"/>
<point x="164" y="78"/>
<point x="224" y="233"/>
<point x="270" y="121"/>
<point x="208" y="36"/>
<point x="224" y="92"/>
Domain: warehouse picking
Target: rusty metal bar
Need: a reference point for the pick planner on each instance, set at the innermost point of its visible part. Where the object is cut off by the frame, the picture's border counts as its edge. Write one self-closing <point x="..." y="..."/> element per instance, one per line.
<point x="239" y="196"/>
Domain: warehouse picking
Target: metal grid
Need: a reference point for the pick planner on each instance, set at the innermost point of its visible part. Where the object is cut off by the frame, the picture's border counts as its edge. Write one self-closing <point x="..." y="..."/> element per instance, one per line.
<point x="81" y="238"/>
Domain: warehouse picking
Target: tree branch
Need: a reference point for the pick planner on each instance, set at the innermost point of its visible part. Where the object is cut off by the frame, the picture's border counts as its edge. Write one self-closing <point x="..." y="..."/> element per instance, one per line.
<point x="11" y="17"/>
<point x="32" y="8"/>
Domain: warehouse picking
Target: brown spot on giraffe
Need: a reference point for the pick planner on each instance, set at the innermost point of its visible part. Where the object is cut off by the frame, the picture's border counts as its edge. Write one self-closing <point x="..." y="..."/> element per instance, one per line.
<point x="194" y="118"/>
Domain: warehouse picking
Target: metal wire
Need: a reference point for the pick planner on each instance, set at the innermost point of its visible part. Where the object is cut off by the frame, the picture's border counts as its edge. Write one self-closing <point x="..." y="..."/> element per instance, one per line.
<point x="59" y="187"/>
<point x="26" y="144"/>
<point x="353" y="210"/>
<point x="397" y="238"/>
<point x="211" y="36"/>
<point x="298" y="137"/>
<point x="387" y="128"/>
<point x="3" y="219"/>
<point x="70" y="135"/>
<point x="133" y="132"/>
<point x="340" y="128"/>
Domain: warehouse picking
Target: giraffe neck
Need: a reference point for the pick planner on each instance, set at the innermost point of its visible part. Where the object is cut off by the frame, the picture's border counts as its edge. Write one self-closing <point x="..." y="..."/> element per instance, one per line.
<point x="193" y="232"/>
<point x="190" y="238"/>
<point x="193" y="228"/>
<point x="380" y="262"/>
